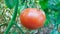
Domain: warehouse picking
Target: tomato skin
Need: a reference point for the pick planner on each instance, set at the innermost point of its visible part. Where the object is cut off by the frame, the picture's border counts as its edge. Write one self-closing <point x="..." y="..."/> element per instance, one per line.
<point x="32" y="18"/>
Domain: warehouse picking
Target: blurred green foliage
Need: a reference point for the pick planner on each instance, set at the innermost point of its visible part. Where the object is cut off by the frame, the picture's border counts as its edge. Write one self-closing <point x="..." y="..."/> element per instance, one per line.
<point x="10" y="3"/>
<point x="50" y="7"/>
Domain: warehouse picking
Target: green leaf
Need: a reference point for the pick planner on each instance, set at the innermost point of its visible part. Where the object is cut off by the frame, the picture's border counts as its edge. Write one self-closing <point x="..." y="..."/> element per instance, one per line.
<point x="21" y="8"/>
<point x="54" y="4"/>
<point x="43" y="3"/>
<point x="46" y="23"/>
<point x="10" y="3"/>
<point x="58" y="18"/>
<point x="51" y="4"/>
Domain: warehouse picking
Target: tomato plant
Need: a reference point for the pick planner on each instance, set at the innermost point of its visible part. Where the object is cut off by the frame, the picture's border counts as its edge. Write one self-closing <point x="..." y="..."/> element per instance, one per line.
<point x="32" y="18"/>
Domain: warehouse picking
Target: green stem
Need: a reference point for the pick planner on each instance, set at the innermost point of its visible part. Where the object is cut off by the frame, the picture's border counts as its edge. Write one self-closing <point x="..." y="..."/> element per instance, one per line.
<point x="8" y="28"/>
<point x="13" y="19"/>
<point x="19" y="28"/>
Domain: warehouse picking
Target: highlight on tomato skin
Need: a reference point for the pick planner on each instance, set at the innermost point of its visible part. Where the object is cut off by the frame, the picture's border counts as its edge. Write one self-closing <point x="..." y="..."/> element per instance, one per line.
<point x="32" y="18"/>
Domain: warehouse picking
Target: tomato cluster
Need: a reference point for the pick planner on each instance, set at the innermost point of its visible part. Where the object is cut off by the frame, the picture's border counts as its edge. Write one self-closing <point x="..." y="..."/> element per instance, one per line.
<point x="32" y="18"/>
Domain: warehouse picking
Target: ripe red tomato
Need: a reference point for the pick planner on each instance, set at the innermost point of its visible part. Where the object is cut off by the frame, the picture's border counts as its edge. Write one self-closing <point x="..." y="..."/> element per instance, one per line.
<point x="32" y="18"/>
